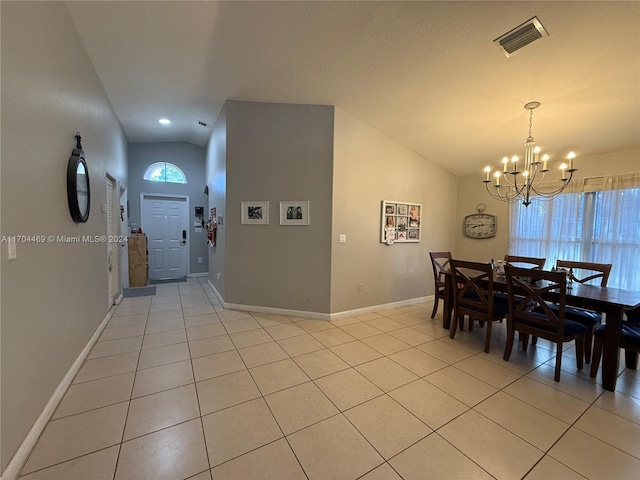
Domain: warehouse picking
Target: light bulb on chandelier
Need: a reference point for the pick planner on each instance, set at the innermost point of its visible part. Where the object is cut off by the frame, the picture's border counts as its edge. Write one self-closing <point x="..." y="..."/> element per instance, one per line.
<point x="527" y="183"/>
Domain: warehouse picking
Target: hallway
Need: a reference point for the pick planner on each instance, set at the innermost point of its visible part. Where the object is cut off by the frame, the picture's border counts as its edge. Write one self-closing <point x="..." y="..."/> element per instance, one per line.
<point x="179" y="387"/>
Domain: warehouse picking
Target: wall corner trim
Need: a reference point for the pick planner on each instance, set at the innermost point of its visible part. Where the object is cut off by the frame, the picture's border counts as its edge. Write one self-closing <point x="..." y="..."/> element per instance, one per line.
<point x="24" y="450"/>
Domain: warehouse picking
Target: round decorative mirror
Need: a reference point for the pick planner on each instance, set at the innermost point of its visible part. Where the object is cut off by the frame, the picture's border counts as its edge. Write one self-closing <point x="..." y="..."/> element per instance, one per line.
<point x="78" y="190"/>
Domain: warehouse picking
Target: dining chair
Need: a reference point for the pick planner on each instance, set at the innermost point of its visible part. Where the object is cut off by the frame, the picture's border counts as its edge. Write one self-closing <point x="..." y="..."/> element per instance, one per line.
<point x="529" y="288"/>
<point x="532" y="262"/>
<point x="474" y="297"/>
<point x="583" y="272"/>
<point x="440" y="263"/>
<point x="633" y="315"/>
<point x="629" y="340"/>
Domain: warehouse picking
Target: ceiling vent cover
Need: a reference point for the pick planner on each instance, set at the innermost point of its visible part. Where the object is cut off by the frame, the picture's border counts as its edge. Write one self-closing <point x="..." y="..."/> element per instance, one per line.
<point x="521" y="36"/>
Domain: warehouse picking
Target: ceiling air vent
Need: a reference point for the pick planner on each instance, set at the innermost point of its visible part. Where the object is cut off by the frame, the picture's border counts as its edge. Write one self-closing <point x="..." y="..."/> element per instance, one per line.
<point x="521" y="36"/>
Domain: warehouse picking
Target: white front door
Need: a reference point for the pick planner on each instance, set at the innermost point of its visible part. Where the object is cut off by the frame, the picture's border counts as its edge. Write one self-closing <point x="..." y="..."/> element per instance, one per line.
<point x="164" y="220"/>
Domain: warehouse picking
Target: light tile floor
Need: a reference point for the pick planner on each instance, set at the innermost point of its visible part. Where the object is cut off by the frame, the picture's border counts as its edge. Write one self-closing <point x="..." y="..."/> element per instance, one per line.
<point x="178" y="387"/>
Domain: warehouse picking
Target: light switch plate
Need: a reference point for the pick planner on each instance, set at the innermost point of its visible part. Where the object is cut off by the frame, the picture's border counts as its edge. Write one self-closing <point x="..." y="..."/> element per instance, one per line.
<point x="11" y="247"/>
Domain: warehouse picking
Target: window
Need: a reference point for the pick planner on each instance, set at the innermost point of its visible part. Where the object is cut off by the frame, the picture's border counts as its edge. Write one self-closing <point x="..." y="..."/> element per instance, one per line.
<point x="600" y="226"/>
<point x="164" y="172"/>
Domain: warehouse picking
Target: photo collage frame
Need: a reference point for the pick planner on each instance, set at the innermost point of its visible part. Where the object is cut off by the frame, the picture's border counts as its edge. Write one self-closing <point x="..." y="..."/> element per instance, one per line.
<point x="400" y="222"/>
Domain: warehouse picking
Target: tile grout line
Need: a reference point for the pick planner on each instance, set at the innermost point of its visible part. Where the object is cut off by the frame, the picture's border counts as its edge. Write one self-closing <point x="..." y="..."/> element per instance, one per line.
<point x="195" y="387"/>
<point x="133" y="384"/>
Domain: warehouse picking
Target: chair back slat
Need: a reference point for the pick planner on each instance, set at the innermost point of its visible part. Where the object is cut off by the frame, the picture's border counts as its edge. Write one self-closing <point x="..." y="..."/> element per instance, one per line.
<point x="440" y="264"/>
<point x="602" y="271"/>
<point x="473" y="286"/>
<point x="537" y="288"/>
<point x="533" y="262"/>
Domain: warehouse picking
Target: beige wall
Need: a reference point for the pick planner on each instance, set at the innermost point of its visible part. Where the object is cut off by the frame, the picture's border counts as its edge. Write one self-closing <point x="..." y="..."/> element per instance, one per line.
<point x="54" y="295"/>
<point x="370" y="167"/>
<point x="472" y="192"/>
<point x="278" y="152"/>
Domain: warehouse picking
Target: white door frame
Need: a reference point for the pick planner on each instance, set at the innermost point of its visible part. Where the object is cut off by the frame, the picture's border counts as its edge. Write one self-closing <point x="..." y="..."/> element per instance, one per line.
<point x="168" y="196"/>
<point x="113" y="276"/>
<point x="123" y="250"/>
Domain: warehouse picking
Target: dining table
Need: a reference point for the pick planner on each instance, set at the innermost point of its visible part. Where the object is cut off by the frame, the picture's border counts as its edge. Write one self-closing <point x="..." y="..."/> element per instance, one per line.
<point x="611" y="301"/>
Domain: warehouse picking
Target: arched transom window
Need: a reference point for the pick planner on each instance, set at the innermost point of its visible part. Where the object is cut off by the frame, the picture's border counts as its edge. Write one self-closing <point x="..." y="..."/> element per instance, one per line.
<point x="164" y="172"/>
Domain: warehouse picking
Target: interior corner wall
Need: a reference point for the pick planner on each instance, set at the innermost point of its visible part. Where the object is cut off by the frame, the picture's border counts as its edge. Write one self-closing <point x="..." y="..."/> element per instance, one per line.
<point x="369" y="167"/>
<point x="472" y="191"/>
<point x="54" y="294"/>
<point x="216" y="179"/>
<point x="191" y="160"/>
<point x="274" y="153"/>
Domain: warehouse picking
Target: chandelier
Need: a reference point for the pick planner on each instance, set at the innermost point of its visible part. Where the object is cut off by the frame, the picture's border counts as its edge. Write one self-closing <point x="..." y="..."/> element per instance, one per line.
<point x="523" y="180"/>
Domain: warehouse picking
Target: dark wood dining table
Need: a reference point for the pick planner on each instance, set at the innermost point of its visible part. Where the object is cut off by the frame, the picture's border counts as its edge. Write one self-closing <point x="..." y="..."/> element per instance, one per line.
<point x="612" y="301"/>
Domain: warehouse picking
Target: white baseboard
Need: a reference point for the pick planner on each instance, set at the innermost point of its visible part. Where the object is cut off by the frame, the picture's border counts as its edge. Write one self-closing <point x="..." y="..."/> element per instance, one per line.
<point x="377" y="308"/>
<point x="22" y="454"/>
<point x="318" y="315"/>
<point x="201" y="274"/>
<point x="215" y="292"/>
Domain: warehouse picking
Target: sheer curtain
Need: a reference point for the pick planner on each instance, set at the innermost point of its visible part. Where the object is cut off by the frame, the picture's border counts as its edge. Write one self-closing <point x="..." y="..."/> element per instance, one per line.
<point x="597" y="220"/>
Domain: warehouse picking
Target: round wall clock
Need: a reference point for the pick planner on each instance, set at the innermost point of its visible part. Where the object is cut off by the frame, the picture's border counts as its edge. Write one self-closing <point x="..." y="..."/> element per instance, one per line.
<point x="78" y="191"/>
<point x="480" y="225"/>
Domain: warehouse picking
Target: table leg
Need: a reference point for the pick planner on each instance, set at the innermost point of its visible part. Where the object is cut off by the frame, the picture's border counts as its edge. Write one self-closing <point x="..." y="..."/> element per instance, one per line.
<point x="611" y="355"/>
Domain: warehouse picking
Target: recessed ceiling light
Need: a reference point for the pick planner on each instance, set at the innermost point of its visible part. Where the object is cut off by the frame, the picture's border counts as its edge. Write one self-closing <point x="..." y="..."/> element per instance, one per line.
<point x="164" y="121"/>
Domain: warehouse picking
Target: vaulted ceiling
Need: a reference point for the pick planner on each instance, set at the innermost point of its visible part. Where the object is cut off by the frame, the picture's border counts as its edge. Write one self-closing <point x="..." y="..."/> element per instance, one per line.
<point x="427" y="74"/>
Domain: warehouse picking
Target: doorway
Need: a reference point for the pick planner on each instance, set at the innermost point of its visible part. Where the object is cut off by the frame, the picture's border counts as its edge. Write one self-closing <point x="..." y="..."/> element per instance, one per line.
<point x="165" y="222"/>
<point x="124" y="231"/>
<point x="113" y="231"/>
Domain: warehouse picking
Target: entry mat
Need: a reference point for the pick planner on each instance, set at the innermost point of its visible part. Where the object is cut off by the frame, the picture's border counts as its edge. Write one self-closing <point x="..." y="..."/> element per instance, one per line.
<point x="168" y="280"/>
<point x="138" y="292"/>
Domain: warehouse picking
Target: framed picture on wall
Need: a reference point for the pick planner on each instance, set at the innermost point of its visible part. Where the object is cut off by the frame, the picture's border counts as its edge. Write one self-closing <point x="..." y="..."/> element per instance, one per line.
<point x="255" y="213"/>
<point x="404" y="218"/>
<point x="295" y="212"/>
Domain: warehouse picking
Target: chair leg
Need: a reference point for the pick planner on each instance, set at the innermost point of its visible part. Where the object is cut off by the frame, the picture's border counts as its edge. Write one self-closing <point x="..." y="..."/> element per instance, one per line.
<point x="454" y="325"/>
<point x="580" y="352"/>
<point x="435" y="305"/>
<point x="524" y="337"/>
<point x="558" y="361"/>
<point x="487" y="341"/>
<point x="630" y="359"/>
<point x="534" y="340"/>
<point x="588" y="342"/>
<point x="507" y="349"/>
<point x="598" y="345"/>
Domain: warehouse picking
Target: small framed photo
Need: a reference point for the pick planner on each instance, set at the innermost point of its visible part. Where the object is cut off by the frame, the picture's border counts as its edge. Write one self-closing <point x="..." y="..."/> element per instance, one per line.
<point x="413" y="234"/>
<point x="295" y="212"/>
<point x="403" y="209"/>
<point x="390" y="209"/>
<point x="255" y="213"/>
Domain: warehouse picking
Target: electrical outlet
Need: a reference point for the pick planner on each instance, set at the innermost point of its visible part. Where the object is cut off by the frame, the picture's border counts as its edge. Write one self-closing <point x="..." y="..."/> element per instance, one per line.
<point x="342" y="238"/>
<point x="359" y="287"/>
<point x="218" y="275"/>
<point x="199" y="259"/>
